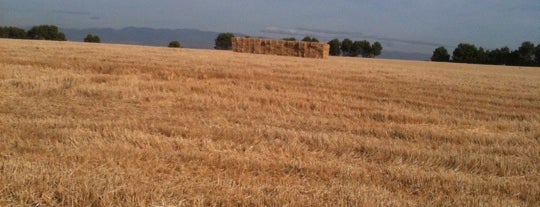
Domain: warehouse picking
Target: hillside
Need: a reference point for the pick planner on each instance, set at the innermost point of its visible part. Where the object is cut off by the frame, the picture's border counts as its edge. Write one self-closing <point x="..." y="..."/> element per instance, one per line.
<point x="118" y="125"/>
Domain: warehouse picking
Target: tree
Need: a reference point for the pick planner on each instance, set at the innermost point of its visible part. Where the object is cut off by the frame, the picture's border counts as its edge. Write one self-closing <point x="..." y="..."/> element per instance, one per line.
<point x="310" y="39"/>
<point x="465" y="53"/>
<point x="224" y="41"/>
<point x="346" y="46"/>
<point x="481" y="56"/>
<point x="12" y="32"/>
<point x="376" y="49"/>
<point x="495" y="57"/>
<point x="174" y="44"/>
<point x="92" y="38"/>
<point x="504" y="56"/>
<point x="361" y="48"/>
<point x="526" y="53"/>
<point x="440" y="55"/>
<point x="335" y="47"/>
<point x="537" y="55"/>
<point x="513" y="58"/>
<point x="46" y="32"/>
<point x="289" y="39"/>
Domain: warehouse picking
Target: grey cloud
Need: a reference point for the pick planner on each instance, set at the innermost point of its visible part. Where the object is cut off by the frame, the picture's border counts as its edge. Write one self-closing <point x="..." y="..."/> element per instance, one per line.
<point x="82" y="13"/>
<point x="310" y="32"/>
<point x="297" y="32"/>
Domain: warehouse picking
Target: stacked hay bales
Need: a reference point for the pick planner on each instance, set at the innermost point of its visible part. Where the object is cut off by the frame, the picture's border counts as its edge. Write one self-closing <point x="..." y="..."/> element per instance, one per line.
<point x="280" y="47"/>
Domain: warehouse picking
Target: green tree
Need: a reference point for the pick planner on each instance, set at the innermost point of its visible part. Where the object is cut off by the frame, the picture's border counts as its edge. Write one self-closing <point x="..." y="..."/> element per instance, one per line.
<point x="356" y="49"/>
<point x="513" y="58"/>
<point x="465" y="53"/>
<point x="224" y="41"/>
<point x="495" y="57"/>
<point x="376" y="49"/>
<point x="310" y="39"/>
<point x="537" y="54"/>
<point x="174" y="44"/>
<point x="346" y="46"/>
<point x="526" y="53"/>
<point x="335" y="47"/>
<point x="92" y="38"/>
<point x="362" y="48"/>
<point x="289" y="39"/>
<point x="440" y="55"/>
<point x="46" y="32"/>
<point x="481" y="56"/>
<point x="12" y="32"/>
<point x="504" y="56"/>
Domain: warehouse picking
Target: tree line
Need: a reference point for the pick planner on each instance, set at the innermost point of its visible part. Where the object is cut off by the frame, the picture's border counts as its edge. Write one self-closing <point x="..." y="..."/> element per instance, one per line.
<point x="346" y="47"/>
<point x="354" y="49"/>
<point x="40" y="32"/>
<point x="526" y="55"/>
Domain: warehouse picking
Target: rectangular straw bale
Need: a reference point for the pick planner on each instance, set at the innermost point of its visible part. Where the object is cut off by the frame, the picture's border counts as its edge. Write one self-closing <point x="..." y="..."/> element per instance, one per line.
<point x="280" y="47"/>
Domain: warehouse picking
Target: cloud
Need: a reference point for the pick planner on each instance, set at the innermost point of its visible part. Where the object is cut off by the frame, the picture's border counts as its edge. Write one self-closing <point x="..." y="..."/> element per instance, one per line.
<point x="308" y="32"/>
<point x="342" y="34"/>
<point x="95" y="18"/>
<point x="82" y="13"/>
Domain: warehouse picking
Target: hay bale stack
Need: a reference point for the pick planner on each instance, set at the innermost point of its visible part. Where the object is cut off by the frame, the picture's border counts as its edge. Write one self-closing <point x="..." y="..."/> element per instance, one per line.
<point x="280" y="47"/>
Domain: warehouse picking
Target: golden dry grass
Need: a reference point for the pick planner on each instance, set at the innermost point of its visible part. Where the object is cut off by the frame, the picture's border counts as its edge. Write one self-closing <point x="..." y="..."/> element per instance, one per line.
<point x="115" y="125"/>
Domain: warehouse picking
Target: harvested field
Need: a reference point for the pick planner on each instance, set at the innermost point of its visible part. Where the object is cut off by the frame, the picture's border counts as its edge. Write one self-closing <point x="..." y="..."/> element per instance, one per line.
<point x="281" y="47"/>
<point x="117" y="125"/>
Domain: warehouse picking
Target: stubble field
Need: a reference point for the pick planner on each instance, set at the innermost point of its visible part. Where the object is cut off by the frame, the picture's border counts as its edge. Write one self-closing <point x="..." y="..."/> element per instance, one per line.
<point x="116" y="125"/>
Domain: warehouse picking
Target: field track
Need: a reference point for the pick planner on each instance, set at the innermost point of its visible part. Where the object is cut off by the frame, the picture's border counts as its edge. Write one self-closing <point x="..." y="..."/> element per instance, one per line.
<point x="118" y="125"/>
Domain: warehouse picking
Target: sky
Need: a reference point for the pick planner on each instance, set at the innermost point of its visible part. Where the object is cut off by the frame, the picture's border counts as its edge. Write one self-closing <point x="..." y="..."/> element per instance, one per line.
<point x="400" y="25"/>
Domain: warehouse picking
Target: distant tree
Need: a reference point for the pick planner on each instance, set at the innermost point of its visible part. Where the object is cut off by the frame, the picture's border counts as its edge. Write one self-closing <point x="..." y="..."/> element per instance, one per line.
<point x="513" y="58"/>
<point x="224" y="41"/>
<point x="92" y="38"/>
<point x="465" y="53"/>
<point x="289" y="39"/>
<point x="346" y="46"/>
<point x="46" y="32"/>
<point x="335" y="47"/>
<point x="12" y="32"/>
<point x="526" y="53"/>
<point x="376" y="49"/>
<point x="537" y="54"/>
<point x="440" y="55"/>
<point x="504" y="56"/>
<point x="362" y="48"/>
<point x="481" y="56"/>
<point x="356" y="49"/>
<point x="366" y="48"/>
<point x="310" y="39"/>
<point x="174" y="44"/>
<point x="495" y="57"/>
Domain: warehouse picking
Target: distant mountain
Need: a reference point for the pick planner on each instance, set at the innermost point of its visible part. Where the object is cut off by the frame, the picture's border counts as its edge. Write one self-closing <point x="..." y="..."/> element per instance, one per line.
<point x="190" y="38"/>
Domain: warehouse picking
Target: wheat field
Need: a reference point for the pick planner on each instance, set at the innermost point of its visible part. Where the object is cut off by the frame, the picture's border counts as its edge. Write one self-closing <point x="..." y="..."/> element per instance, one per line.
<point x="118" y="125"/>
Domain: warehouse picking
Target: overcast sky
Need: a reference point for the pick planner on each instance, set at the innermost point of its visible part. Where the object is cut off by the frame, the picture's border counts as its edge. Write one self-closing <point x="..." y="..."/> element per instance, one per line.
<point x="416" y="25"/>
